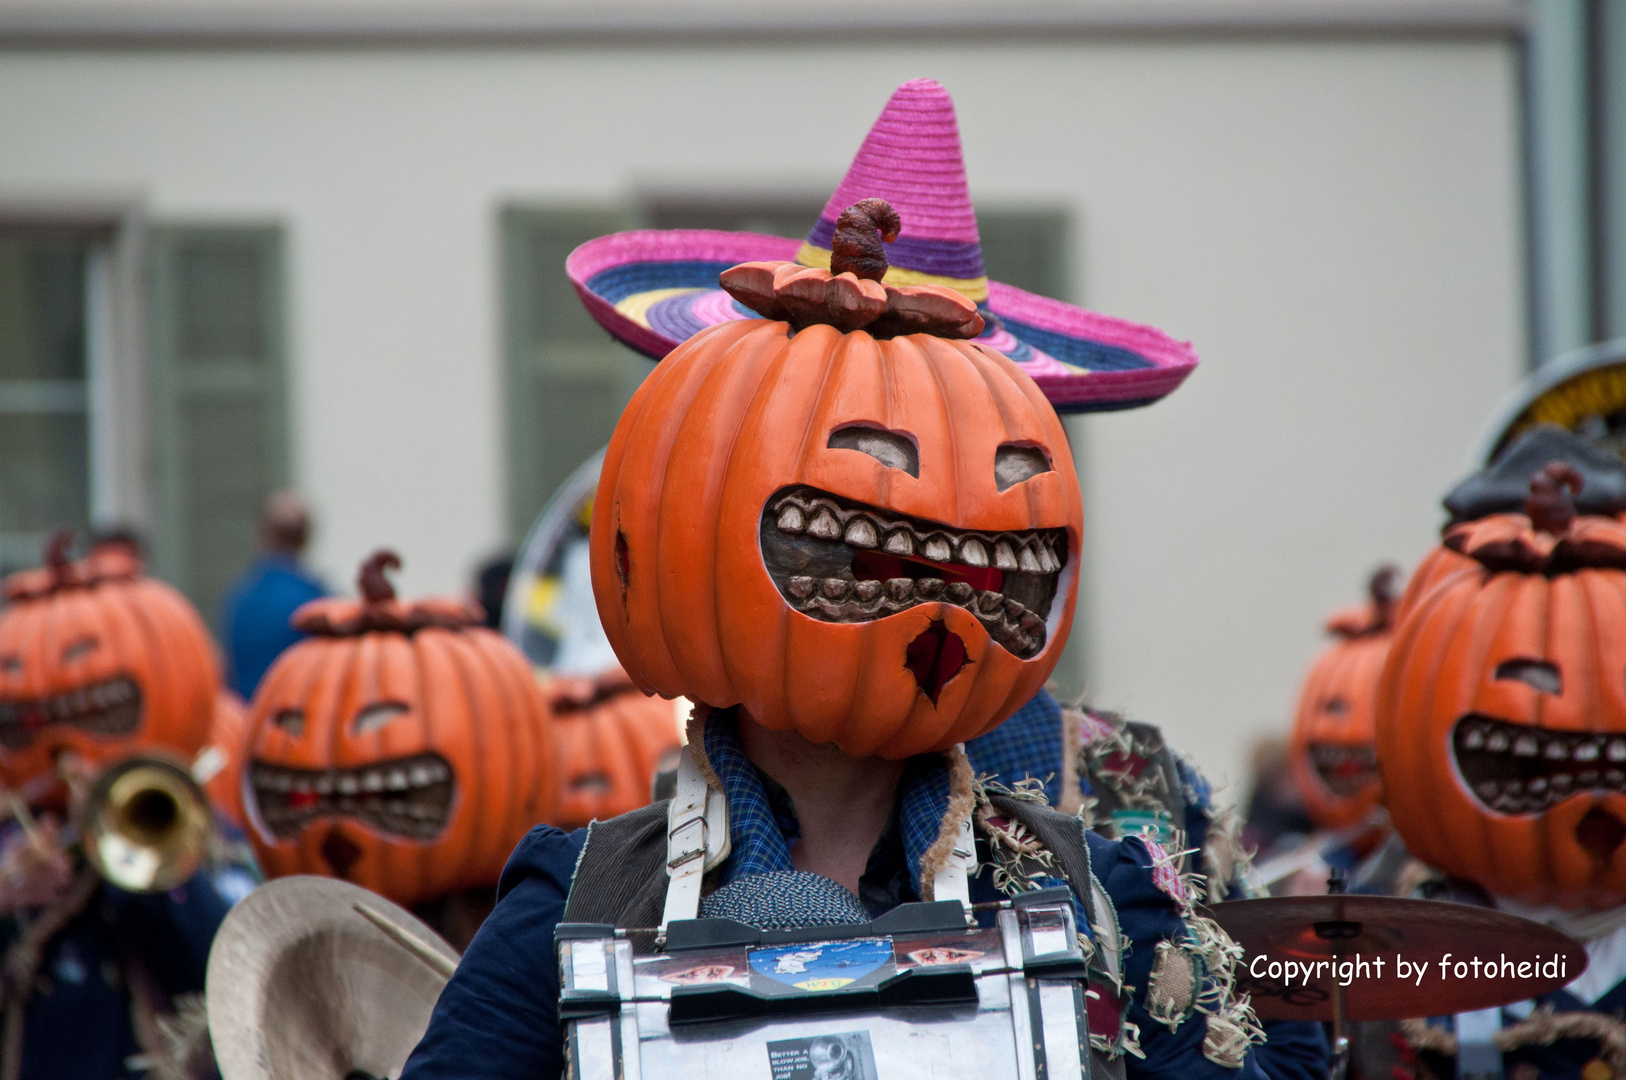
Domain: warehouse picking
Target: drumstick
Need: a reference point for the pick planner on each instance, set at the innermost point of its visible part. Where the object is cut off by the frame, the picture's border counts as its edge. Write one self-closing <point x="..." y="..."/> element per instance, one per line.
<point x="410" y="942"/>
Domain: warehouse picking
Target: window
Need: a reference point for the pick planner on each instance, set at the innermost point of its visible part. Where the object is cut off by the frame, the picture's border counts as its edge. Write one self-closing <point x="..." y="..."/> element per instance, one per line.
<point x="46" y="372"/>
<point x="567" y="380"/>
<point x="219" y="430"/>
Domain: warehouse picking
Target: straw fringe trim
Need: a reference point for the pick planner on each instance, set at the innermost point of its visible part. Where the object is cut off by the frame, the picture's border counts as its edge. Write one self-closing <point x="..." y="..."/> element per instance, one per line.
<point x="1227" y="862"/>
<point x="1231" y="1024"/>
<point x="962" y="802"/>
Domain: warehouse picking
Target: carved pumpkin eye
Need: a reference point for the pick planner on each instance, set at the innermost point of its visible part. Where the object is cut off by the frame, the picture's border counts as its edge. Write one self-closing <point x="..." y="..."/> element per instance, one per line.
<point x="290" y="720"/>
<point x="1014" y="463"/>
<point x="11" y="664"/>
<point x="376" y="716"/>
<point x="893" y="449"/>
<point x="1337" y="706"/>
<point x="1537" y="674"/>
<point x="76" y="649"/>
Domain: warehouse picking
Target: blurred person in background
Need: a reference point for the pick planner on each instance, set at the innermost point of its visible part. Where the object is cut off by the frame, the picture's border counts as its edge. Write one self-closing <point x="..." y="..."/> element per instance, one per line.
<point x="491" y="586"/>
<point x="254" y="615"/>
<point x="121" y="538"/>
<point x="105" y="928"/>
<point x="102" y="984"/>
<point x="1276" y="819"/>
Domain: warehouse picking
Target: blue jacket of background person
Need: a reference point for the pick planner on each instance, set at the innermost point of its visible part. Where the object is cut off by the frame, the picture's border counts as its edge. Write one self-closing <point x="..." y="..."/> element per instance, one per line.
<point x="254" y="617"/>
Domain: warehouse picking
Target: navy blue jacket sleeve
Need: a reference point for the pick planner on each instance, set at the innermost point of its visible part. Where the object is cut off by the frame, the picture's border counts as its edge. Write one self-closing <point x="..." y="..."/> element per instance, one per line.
<point x="499" y="1014"/>
<point x="1294" y="1050"/>
<point x="1147" y="915"/>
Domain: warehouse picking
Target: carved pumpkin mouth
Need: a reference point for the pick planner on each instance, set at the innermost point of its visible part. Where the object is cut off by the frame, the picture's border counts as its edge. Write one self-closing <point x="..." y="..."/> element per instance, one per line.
<point x="109" y="707"/>
<point x="837" y="560"/>
<point x="1344" y="769"/>
<point x="410" y="796"/>
<point x="1519" y="769"/>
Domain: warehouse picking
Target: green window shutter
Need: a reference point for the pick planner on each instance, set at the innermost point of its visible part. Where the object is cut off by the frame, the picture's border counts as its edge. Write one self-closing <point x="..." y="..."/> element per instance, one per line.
<point x="220" y="398"/>
<point x="1027" y="249"/>
<point x="44" y="421"/>
<point x="566" y="379"/>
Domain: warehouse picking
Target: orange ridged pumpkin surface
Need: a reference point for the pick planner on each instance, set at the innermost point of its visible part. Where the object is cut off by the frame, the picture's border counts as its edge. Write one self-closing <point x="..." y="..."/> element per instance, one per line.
<point x="228" y="737"/>
<point x="611" y="740"/>
<point x="403" y="746"/>
<point x="1334" y="757"/>
<point x="1440" y="563"/>
<point x="1502" y="710"/>
<point x="98" y="659"/>
<point x="869" y="539"/>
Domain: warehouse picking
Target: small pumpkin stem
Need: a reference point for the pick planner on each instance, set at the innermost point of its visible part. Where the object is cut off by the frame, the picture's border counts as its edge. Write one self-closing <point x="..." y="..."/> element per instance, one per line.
<point x="1551" y="504"/>
<point x="56" y="553"/>
<point x="1382" y="591"/>
<point x="374" y="586"/>
<point x="855" y="248"/>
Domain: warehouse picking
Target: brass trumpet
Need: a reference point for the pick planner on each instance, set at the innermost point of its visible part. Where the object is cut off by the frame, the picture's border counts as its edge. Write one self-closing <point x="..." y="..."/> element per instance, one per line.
<point x="146" y="824"/>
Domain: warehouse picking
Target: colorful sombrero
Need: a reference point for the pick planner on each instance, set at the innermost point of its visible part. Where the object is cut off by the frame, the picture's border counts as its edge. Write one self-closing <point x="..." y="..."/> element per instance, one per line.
<point x="653" y="289"/>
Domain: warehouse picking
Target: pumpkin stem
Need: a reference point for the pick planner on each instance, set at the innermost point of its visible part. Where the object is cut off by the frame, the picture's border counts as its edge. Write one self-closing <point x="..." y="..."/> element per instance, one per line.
<point x="56" y="553"/>
<point x="1382" y="591"/>
<point x="855" y="248"/>
<point x="374" y="586"/>
<point x="1551" y="504"/>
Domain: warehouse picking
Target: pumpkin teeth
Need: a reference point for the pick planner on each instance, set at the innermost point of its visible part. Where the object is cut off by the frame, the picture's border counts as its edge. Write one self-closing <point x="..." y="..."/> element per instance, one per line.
<point x="410" y="797"/>
<point x="111" y="708"/>
<point x="1343" y="768"/>
<point x="1519" y="769"/>
<point x="811" y="539"/>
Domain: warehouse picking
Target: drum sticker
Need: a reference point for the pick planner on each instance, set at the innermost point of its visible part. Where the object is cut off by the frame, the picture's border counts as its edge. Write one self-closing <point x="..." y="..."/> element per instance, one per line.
<point x="696" y="976"/>
<point x="938" y="955"/>
<point x="822" y="965"/>
<point x="847" y="1056"/>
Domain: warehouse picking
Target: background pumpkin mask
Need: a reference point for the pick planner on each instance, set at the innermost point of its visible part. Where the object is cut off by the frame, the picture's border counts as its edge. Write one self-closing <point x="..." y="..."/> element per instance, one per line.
<point x="866" y="536"/>
<point x="1502" y="713"/>
<point x="403" y="746"/>
<point x="1334" y="752"/>
<point x="98" y="659"/>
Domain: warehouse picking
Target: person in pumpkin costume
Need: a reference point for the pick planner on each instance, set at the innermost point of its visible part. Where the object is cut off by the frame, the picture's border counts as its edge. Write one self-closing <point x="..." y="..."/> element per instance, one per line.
<point x="1501" y="728"/>
<point x="850" y="529"/>
<point x="98" y="662"/>
<point x="400" y="745"/>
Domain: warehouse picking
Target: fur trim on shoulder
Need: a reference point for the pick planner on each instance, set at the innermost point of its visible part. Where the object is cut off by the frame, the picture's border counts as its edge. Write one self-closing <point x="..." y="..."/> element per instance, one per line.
<point x="695" y="732"/>
<point x="961" y="802"/>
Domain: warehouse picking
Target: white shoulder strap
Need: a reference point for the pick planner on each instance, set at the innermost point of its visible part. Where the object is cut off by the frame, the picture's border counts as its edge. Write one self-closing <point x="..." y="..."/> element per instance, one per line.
<point x="696" y="840"/>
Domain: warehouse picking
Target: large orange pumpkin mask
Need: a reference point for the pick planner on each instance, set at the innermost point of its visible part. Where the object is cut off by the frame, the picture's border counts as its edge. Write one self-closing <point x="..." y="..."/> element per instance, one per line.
<point x="1502" y="709"/>
<point x="1334" y="759"/>
<point x="97" y="659"/>
<point x="403" y="746"/>
<point x="845" y="518"/>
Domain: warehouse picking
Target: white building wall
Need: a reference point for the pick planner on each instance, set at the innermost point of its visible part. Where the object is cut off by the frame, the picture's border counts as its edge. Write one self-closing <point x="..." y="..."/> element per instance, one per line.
<point x="1335" y="223"/>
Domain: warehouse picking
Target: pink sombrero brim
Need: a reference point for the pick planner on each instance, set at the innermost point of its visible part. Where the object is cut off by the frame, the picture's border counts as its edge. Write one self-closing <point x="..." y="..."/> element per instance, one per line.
<point x="653" y="289"/>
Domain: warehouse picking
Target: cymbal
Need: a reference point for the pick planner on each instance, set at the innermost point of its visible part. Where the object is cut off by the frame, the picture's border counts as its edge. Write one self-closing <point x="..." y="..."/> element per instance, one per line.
<point x="312" y="978"/>
<point x="1304" y="931"/>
